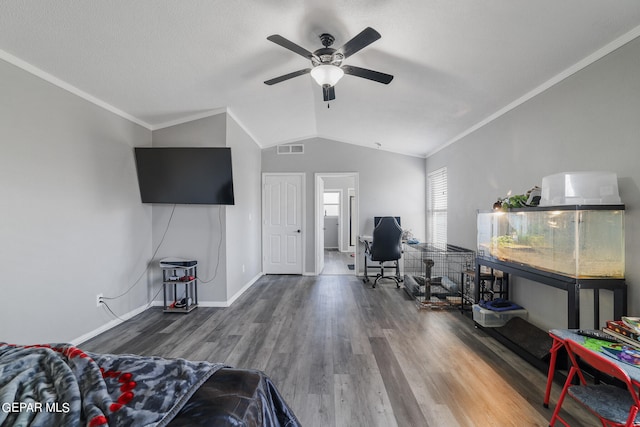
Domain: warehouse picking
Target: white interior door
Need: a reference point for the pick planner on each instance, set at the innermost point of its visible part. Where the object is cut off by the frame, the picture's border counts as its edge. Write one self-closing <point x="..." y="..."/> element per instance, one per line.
<point x="282" y="210"/>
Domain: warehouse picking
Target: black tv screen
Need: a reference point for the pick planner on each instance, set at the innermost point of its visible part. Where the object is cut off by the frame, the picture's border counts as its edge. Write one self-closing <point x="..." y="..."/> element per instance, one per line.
<point x="185" y="175"/>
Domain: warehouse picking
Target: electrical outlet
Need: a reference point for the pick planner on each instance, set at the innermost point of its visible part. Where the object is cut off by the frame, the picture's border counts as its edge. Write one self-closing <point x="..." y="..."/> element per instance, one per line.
<point x="99" y="301"/>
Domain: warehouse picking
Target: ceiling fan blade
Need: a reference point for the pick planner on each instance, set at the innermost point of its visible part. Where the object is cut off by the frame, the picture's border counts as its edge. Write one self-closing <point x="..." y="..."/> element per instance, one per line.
<point x="362" y="40"/>
<point x="329" y="93"/>
<point x="287" y="44"/>
<point x="365" y="73"/>
<point x="287" y="76"/>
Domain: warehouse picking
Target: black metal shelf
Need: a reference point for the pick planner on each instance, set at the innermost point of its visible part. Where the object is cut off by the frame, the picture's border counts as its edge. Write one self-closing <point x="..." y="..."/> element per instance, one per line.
<point x="572" y="285"/>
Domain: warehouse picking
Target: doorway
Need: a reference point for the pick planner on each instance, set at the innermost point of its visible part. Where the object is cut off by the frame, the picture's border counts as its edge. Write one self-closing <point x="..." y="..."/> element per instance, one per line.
<point x="332" y="199"/>
<point x="336" y="223"/>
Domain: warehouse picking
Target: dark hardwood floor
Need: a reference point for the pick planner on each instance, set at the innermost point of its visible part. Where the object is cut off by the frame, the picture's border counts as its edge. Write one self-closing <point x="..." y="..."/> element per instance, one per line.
<point x="344" y="354"/>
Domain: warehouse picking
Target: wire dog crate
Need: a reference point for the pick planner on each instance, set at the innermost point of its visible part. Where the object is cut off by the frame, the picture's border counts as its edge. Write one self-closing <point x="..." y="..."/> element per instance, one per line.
<point x="435" y="274"/>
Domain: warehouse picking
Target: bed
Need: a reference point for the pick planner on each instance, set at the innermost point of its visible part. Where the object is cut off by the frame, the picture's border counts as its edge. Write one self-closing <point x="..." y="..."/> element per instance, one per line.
<point x="59" y="384"/>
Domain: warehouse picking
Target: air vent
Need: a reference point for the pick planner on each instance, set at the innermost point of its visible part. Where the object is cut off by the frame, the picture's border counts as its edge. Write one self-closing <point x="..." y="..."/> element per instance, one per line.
<point x="290" y="149"/>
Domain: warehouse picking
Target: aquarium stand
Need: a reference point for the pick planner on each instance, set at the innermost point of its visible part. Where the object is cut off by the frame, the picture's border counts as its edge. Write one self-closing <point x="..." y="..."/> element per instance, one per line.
<point x="571" y="285"/>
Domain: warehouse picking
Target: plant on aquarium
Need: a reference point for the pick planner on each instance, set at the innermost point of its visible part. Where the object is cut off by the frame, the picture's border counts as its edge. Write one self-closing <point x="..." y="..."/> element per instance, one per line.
<point x="530" y="198"/>
<point x="516" y="201"/>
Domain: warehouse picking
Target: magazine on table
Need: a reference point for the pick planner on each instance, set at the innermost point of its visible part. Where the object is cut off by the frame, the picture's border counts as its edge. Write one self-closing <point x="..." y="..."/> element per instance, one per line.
<point x="623" y="338"/>
<point x="622" y="328"/>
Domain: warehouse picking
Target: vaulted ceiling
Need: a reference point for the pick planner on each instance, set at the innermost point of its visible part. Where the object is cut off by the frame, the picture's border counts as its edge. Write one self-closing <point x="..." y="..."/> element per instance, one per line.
<point x="457" y="63"/>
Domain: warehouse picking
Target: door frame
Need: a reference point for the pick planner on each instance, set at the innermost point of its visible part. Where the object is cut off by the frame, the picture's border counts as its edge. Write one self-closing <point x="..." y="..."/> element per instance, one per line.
<point x="352" y="210"/>
<point x="303" y="212"/>
<point x="319" y="213"/>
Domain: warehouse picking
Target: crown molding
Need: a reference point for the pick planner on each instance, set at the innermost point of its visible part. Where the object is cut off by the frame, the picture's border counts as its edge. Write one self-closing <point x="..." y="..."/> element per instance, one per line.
<point x="595" y="56"/>
<point x="190" y="118"/>
<point x="32" y="69"/>
<point x="244" y="128"/>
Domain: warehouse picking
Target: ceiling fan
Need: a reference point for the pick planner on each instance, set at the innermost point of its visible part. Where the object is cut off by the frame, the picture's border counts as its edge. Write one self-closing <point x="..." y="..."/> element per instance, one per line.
<point x="327" y="67"/>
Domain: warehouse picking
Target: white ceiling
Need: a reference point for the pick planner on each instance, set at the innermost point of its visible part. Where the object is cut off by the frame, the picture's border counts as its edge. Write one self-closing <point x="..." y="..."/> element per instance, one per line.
<point x="457" y="63"/>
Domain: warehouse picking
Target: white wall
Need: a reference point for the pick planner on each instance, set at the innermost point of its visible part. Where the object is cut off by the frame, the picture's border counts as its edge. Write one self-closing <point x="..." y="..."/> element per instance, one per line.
<point x="586" y="122"/>
<point x="389" y="184"/>
<point x="72" y="223"/>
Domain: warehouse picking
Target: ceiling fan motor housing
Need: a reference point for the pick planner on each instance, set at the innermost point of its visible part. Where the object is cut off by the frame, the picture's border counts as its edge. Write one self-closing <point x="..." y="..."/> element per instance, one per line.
<point x="327" y="39"/>
<point x="327" y="56"/>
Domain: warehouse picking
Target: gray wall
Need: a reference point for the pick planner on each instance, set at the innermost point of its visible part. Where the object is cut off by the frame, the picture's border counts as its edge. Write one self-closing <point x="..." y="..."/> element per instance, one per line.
<point x="72" y="222"/>
<point x="221" y="238"/>
<point x="196" y="231"/>
<point x="587" y="122"/>
<point x="389" y="184"/>
<point x="244" y="231"/>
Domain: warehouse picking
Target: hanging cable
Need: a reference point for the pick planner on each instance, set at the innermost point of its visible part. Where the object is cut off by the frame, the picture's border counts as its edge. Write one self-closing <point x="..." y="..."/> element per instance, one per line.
<point x="111" y="311"/>
<point x="153" y="298"/>
<point x="215" y="272"/>
<point x="148" y="265"/>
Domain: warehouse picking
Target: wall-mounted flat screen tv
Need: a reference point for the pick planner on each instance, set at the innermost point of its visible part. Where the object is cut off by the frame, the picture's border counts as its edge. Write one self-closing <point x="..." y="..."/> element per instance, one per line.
<point x="185" y="175"/>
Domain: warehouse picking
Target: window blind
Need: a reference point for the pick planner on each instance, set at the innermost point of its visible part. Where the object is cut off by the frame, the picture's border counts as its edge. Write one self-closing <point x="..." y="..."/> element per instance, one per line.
<point x="437" y="206"/>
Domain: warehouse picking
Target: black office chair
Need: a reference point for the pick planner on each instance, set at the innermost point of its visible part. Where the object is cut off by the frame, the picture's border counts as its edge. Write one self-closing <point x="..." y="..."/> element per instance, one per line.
<point x="385" y="247"/>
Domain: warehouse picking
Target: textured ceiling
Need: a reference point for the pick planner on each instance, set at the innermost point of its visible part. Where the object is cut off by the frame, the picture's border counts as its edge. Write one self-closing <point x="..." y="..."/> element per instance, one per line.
<point x="456" y="63"/>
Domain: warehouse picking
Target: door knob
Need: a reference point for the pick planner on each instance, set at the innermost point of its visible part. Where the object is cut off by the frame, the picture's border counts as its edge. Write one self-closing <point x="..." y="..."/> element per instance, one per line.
<point x="298" y="231"/>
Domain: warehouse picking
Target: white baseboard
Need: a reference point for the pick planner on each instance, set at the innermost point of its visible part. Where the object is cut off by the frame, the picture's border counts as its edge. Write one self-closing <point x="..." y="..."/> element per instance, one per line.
<point x="244" y="289"/>
<point x="226" y="303"/>
<point x="142" y="308"/>
<point x="107" y="326"/>
<point x="233" y="298"/>
<point x="222" y="304"/>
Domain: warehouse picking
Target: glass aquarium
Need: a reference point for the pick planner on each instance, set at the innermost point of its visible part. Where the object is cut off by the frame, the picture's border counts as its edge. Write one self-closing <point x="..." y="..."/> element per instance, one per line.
<point x="575" y="241"/>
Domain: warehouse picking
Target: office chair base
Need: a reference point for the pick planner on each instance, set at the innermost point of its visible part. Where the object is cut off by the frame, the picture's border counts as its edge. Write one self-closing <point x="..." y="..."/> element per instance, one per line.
<point x="378" y="277"/>
<point x="394" y="278"/>
<point x="381" y="275"/>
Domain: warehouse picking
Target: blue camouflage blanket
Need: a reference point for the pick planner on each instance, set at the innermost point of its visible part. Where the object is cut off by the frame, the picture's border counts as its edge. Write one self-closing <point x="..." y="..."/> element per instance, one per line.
<point x="61" y="385"/>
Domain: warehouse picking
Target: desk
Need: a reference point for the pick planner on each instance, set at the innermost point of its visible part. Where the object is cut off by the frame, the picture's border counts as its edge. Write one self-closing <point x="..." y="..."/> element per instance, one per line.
<point x="365" y="239"/>
<point x="559" y="337"/>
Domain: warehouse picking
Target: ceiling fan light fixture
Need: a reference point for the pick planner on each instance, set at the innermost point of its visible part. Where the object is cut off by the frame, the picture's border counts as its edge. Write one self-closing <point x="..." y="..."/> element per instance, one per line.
<point x="327" y="74"/>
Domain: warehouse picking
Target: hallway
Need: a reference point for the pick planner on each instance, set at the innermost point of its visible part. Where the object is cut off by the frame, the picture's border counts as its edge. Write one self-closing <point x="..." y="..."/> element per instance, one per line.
<point x="337" y="263"/>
